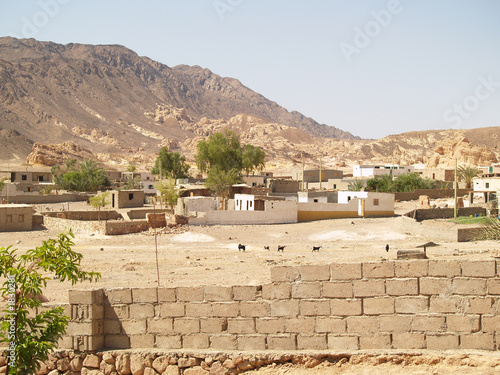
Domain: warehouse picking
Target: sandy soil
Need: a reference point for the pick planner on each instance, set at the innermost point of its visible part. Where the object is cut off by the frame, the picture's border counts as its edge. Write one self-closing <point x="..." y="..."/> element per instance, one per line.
<point x="201" y="255"/>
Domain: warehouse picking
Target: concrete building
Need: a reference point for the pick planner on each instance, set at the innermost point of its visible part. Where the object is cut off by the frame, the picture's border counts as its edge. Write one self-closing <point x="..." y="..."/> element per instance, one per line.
<point x="127" y="198"/>
<point x="313" y="175"/>
<point x="487" y="183"/>
<point x="372" y="170"/>
<point x="284" y="186"/>
<point x="250" y="202"/>
<point x="16" y="217"/>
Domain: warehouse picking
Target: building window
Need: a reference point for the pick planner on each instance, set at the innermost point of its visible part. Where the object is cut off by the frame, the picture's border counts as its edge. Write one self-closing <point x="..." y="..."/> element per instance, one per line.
<point x="375" y="202"/>
<point x="487" y="185"/>
<point x="251" y="204"/>
<point x="348" y="199"/>
<point x="150" y="187"/>
<point x="30" y="189"/>
<point x="130" y="196"/>
<point x="334" y="186"/>
<point x="21" y="218"/>
<point x="24" y="177"/>
<point x="315" y="200"/>
<point x="8" y="219"/>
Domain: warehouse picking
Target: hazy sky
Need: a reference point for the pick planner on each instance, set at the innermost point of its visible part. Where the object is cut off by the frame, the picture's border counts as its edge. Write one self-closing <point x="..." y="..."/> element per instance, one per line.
<point x="369" y="67"/>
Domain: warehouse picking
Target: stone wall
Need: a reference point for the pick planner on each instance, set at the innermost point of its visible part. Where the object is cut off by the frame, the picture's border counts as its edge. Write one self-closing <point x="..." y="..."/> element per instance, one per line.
<point x="88" y="215"/>
<point x="116" y="227"/>
<point x="432" y="193"/>
<point x="416" y="304"/>
<point x="76" y="226"/>
<point x="40" y="199"/>
<point x="444" y="213"/>
<point x="468" y="234"/>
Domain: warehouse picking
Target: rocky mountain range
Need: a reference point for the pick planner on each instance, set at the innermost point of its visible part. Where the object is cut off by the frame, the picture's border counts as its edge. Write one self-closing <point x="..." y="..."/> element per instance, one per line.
<point x="106" y="102"/>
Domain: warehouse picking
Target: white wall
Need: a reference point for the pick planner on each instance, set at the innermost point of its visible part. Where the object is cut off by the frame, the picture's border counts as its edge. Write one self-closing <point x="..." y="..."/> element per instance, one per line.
<point x="486" y="184"/>
<point x="244" y="202"/>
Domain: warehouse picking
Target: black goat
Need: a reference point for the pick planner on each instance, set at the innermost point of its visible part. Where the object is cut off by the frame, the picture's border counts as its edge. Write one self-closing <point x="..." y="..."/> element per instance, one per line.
<point x="281" y="248"/>
<point x="241" y="247"/>
<point x="266" y="248"/>
<point x="316" y="248"/>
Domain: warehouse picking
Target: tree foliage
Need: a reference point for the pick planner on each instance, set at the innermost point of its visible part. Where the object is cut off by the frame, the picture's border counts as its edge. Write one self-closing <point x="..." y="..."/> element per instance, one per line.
<point x="221" y="150"/>
<point x="356" y="185"/>
<point x="467" y="174"/>
<point x="85" y="176"/>
<point x="407" y="182"/>
<point x="99" y="201"/>
<point x="171" y="164"/>
<point x="169" y="191"/>
<point x="30" y="337"/>
<point x="253" y="158"/>
<point x="2" y="183"/>
<point x="220" y="182"/>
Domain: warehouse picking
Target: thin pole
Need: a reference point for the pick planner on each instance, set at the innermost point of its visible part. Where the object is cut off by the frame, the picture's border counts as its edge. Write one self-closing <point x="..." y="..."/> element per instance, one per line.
<point x="320" y="179"/>
<point x="302" y="156"/>
<point x="455" y="195"/>
<point x="156" y="243"/>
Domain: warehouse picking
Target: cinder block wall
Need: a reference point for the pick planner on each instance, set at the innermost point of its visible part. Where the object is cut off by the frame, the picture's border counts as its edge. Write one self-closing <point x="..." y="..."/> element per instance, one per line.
<point x="417" y="304"/>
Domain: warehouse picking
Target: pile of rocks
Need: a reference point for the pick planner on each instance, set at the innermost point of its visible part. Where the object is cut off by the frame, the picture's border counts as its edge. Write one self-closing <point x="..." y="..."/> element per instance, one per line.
<point x="177" y="229"/>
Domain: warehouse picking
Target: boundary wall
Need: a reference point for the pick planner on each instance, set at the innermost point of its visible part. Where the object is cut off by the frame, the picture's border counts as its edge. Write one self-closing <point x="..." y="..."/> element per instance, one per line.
<point x="432" y="193"/>
<point x="444" y="213"/>
<point x="413" y="304"/>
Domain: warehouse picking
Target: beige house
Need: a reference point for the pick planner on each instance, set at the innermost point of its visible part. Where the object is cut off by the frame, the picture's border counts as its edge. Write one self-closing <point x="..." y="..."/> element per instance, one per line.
<point x="127" y="198"/>
<point x="16" y="217"/>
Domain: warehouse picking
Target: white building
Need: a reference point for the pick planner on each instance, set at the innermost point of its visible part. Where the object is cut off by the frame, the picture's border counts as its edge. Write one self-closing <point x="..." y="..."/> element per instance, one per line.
<point x="487" y="183"/>
<point x="372" y="170"/>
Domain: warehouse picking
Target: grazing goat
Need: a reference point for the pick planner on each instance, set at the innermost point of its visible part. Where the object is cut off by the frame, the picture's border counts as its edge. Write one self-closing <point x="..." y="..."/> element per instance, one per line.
<point x="266" y="248"/>
<point x="241" y="247"/>
<point x="281" y="248"/>
<point x="316" y="248"/>
<point x="387" y="247"/>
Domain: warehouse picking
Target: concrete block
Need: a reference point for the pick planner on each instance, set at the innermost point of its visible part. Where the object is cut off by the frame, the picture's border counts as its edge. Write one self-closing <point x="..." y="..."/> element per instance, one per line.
<point x="82" y="328"/>
<point x="442" y="341"/>
<point x="276" y="291"/>
<point x="213" y="325"/>
<point x="254" y="342"/>
<point x="462" y="323"/>
<point x="377" y="270"/>
<point x="306" y="290"/>
<point x="314" y="308"/>
<point x="378" y="305"/>
<point x="112" y="327"/>
<point x="401" y="287"/>
<point x="299" y="325"/>
<point x="406" y="340"/>
<point x="116" y="342"/>
<point x="134" y="327"/>
<point x="85" y="297"/>
<point x="167" y="295"/>
<point x="284" y="274"/>
<point x="315" y="273"/>
<point x="240" y="326"/>
<point x="281" y="342"/>
<point x="478" y="268"/>
<point x="246" y="293"/>
<point x="225" y="310"/>
<point x="444" y="268"/>
<point x="343" y="342"/>
<point x="223" y="342"/>
<point x="142" y="341"/>
<point x="198" y="310"/>
<point x="160" y="326"/>
<point x="94" y="311"/>
<point x="141" y="311"/>
<point x="445" y="304"/>
<point x="254" y="309"/>
<point x="168" y="342"/>
<point x="411" y="268"/>
<point x="479" y="341"/>
<point x="479" y="305"/>
<point x="412" y="305"/>
<point x="395" y="323"/>
<point x="435" y="285"/>
<point x="330" y="325"/>
<point x="218" y="293"/>
<point x="346" y="307"/>
<point x="427" y="323"/>
<point x="195" y="341"/>
<point x="286" y="308"/>
<point x="369" y="288"/>
<point x="116" y="296"/>
<point x="469" y="286"/>
<point x="337" y="289"/>
<point x="345" y="271"/>
<point x="190" y="294"/>
<point x="116" y="312"/>
<point x="494" y="286"/>
<point x="312" y="342"/>
<point x="172" y="310"/>
<point x="270" y="325"/>
<point x="145" y="295"/>
<point x="490" y="323"/>
<point x="185" y="326"/>
<point x="362" y="324"/>
<point x="377" y="341"/>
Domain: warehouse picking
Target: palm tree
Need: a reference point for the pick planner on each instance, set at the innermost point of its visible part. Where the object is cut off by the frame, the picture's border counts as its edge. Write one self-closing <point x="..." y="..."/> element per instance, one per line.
<point x="467" y="173"/>
<point x="356" y="185"/>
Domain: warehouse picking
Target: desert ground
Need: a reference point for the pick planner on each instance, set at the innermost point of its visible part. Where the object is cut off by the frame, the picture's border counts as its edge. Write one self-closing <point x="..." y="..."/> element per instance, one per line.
<point x="204" y="255"/>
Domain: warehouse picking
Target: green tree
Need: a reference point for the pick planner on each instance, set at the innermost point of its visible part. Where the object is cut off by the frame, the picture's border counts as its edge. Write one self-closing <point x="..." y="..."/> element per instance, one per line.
<point x="30" y="337"/>
<point x="169" y="191"/>
<point x="356" y="185"/>
<point x="253" y="158"/>
<point x="132" y="183"/>
<point x="467" y="174"/>
<point x="220" y="182"/>
<point x="88" y="176"/>
<point x="99" y="201"/>
<point x="2" y="183"/>
<point x="131" y="168"/>
<point x="383" y="184"/>
<point x="171" y="164"/>
<point x="221" y="150"/>
<point x="408" y="182"/>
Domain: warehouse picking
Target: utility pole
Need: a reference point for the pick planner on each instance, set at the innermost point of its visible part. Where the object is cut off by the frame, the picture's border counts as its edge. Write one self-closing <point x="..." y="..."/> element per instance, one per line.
<point x="320" y="179"/>
<point x="455" y="194"/>
<point x="302" y="156"/>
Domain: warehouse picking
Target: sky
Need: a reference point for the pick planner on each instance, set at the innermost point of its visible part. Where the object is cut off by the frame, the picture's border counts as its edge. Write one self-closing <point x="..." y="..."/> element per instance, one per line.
<point x="369" y="67"/>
